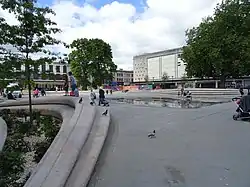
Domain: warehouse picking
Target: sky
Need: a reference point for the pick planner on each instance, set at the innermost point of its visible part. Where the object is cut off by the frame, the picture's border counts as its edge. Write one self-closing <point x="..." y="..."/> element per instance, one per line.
<point x="131" y="27"/>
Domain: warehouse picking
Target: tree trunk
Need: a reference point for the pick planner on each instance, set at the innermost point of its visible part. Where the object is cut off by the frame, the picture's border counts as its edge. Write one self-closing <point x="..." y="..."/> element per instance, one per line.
<point x="29" y="87"/>
<point x="222" y="81"/>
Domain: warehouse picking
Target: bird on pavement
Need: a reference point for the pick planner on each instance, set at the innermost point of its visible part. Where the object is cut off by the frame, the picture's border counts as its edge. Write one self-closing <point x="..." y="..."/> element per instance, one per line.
<point x="80" y="100"/>
<point x="151" y="134"/>
<point x="105" y="112"/>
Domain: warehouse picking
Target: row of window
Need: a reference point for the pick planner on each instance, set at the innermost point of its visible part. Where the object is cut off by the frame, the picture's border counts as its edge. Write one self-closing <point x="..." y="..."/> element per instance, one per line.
<point x="123" y="80"/>
<point x="140" y="64"/>
<point x="58" y="68"/>
<point x="51" y="68"/>
<point x="124" y="75"/>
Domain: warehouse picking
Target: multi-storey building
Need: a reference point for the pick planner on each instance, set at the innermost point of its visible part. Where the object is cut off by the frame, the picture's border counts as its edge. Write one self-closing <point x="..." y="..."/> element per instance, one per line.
<point x="140" y="68"/>
<point x="54" y="74"/>
<point x="154" y="65"/>
<point x="123" y="76"/>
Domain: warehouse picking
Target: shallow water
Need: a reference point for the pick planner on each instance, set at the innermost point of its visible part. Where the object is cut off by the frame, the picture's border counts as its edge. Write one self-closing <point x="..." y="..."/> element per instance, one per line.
<point x="170" y="103"/>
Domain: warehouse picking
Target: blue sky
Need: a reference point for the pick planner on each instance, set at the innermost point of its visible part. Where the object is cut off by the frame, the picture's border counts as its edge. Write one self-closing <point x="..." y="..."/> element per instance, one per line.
<point x="99" y="3"/>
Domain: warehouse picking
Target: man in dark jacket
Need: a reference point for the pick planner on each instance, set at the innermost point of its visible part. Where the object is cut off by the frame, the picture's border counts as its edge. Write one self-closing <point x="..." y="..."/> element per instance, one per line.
<point x="101" y="96"/>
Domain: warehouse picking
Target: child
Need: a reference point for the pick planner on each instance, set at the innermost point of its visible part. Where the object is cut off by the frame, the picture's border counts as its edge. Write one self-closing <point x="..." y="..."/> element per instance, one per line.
<point x="92" y="97"/>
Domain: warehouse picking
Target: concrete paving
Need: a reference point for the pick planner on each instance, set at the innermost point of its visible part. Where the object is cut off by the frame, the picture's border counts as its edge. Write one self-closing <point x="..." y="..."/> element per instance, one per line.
<point x="193" y="148"/>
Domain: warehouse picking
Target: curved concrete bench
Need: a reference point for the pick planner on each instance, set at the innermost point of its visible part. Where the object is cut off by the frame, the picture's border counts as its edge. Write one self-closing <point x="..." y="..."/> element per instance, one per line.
<point x="3" y="132"/>
<point x="86" y="162"/>
<point x="57" y="163"/>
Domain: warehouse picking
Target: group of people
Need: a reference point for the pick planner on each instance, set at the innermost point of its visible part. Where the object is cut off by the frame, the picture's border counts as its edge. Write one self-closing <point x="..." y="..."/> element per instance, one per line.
<point x="70" y="82"/>
<point x="101" y="98"/>
<point x="36" y="92"/>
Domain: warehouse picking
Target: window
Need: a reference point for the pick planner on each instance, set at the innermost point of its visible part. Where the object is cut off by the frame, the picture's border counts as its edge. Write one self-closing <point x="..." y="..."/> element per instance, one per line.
<point x="64" y="69"/>
<point x="119" y="75"/>
<point x="18" y="67"/>
<point x="57" y="69"/>
<point x="51" y="68"/>
<point x="43" y="68"/>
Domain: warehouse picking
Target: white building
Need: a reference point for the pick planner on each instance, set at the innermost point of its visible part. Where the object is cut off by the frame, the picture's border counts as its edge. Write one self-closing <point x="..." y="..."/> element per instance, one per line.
<point x="56" y="71"/>
<point x="123" y="76"/>
<point x="157" y="64"/>
<point x="56" y="68"/>
<point x="140" y="68"/>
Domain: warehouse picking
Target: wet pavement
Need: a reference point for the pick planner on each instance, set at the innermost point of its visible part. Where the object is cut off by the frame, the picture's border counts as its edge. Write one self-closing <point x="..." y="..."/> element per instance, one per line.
<point x="170" y="103"/>
<point x="202" y="147"/>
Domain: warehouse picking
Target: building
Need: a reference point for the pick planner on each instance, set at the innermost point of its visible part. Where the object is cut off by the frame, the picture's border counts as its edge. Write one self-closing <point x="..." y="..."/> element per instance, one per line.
<point x="123" y="77"/>
<point x="54" y="75"/>
<point x="140" y="68"/>
<point x="153" y="66"/>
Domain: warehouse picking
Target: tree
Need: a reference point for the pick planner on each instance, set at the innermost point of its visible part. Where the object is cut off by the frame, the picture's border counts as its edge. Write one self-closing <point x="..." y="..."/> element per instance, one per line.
<point x="6" y="58"/>
<point x="146" y="78"/>
<point x="220" y="46"/>
<point x="30" y="36"/>
<point x="164" y="76"/>
<point x="91" y="58"/>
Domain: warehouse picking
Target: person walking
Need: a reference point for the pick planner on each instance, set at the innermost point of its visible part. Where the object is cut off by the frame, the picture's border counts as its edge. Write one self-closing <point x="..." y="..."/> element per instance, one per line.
<point x="72" y="81"/>
<point x="92" y="97"/>
<point x="101" y="96"/>
<point x="241" y="91"/>
<point x="66" y="85"/>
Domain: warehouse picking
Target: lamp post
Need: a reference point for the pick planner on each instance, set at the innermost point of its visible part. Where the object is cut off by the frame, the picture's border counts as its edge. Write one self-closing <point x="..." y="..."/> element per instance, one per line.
<point x="178" y="65"/>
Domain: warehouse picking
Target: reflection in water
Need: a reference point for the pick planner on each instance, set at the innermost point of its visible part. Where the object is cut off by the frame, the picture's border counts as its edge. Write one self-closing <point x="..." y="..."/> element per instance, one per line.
<point x="164" y="103"/>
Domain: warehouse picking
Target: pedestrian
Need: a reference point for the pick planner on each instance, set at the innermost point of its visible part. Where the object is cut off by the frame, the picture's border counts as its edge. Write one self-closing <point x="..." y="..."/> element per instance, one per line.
<point x="182" y="91"/>
<point x="66" y="85"/>
<point x="92" y="97"/>
<point x="111" y="91"/>
<point x="72" y="81"/>
<point x="241" y="90"/>
<point x="101" y="96"/>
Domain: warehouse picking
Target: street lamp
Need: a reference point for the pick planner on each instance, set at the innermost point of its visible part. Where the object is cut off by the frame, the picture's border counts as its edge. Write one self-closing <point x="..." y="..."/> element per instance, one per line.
<point x="178" y="65"/>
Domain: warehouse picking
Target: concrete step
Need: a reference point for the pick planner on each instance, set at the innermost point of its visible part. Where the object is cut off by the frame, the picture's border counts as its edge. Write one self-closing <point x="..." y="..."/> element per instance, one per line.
<point x="89" y="154"/>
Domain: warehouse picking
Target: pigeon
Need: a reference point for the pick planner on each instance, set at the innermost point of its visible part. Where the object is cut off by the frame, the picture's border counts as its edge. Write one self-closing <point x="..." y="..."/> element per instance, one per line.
<point x="105" y="112"/>
<point x="80" y="100"/>
<point x="151" y="134"/>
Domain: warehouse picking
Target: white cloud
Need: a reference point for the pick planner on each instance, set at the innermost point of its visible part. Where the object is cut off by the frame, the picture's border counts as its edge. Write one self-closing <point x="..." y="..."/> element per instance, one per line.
<point x="160" y="26"/>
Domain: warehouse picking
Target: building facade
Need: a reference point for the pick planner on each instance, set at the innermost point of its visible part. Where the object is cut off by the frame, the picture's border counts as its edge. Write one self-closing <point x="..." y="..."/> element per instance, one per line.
<point x="140" y="68"/>
<point x="123" y="76"/>
<point x="155" y="65"/>
<point x="54" y="75"/>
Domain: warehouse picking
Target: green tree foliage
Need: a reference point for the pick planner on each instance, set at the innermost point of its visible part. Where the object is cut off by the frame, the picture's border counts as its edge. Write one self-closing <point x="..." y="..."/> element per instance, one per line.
<point x="91" y="58"/>
<point x="220" y="46"/>
<point x="30" y="36"/>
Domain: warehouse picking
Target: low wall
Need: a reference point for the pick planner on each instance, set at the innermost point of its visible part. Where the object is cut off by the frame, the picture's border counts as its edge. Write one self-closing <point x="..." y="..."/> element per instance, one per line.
<point x="3" y="132"/>
<point x="57" y="163"/>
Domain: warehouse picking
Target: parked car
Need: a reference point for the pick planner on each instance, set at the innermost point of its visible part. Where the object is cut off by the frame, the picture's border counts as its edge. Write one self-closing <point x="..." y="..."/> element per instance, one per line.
<point x="17" y="93"/>
<point x="15" y="89"/>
